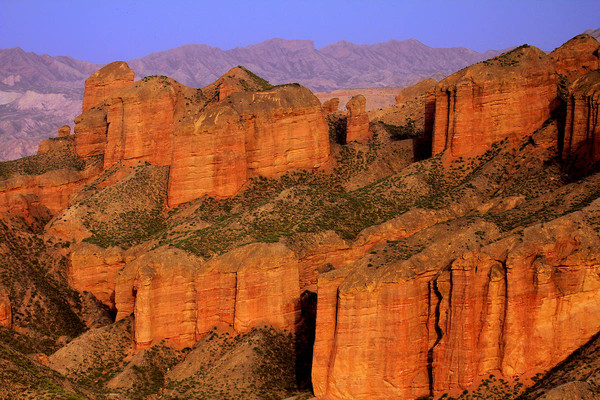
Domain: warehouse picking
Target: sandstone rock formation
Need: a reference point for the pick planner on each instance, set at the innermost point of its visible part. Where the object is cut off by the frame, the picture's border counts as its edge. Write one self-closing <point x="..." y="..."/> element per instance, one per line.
<point x="582" y="126"/>
<point x="578" y="56"/>
<point x="64" y="130"/>
<point x="254" y="133"/>
<point x="5" y="308"/>
<point x="176" y="296"/>
<point x="357" y="128"/>
<point x="331" y="105"/>
<point x="105" y="81"/>
<point x="413" y="329"/>
<point x="93" y="269"/>
<point x="213" y="145"/>
<point x="506" y="97"/>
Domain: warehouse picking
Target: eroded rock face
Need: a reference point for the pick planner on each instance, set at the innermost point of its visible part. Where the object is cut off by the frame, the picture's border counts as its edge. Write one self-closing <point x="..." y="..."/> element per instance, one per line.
<point x="413" y="329"/>
<point x="105" y="81"/>
<point x="582" y="126"/>
<point x="331" y="105"/>
<point x="506" y="97"/>
<point x="93" y="269"/>
<point x="5" y="308"/>
<point x="178" y="297"/>
<point x="64" y="130"/>
<point x="214" y="139"/>
<point x="357" y="128"/>
<point x="576" y="57"/>
<point x="252" y="133"/>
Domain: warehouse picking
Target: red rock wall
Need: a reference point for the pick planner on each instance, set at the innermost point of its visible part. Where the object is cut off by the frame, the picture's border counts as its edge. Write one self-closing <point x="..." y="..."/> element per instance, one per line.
<point x="507" y="97"/>
<point x="582" y="127"/>
<point x="93" y="269"/>
<point x="576" y="57"/>
<point x="5" y="309"/>
<point x="104" y="82"/>
<point x="512" y="309"/>
<point x="357" y="125"/>
<point x="177" y="297"/>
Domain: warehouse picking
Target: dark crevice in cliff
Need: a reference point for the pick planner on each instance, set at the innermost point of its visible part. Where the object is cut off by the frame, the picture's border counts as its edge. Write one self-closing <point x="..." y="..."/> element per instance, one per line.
<point x="438" y="330"/>
<point x="305" y="339"/>
<point x="501" y="341"/>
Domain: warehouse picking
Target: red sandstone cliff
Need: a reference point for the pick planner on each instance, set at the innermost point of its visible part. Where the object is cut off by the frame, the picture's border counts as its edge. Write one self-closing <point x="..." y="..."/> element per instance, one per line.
<point x="357" y="126"/>
<point x="105" y="81"/>
<point x="582" y="127"/>
<point x="506" y="97"/>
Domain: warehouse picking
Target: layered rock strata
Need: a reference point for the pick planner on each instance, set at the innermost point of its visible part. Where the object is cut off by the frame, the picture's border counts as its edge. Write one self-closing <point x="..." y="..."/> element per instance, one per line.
<point x="357" y="128"/>
<point x="178" y="297"/>
<point x="416" y="329"/>
<point x="582" y="126"/>
<point x="506" y="97"/>
<point x="213" y="139"/>
<point x="105" y="81"/>
<point x="331" y="105"/>
<point x="576" y="57"/>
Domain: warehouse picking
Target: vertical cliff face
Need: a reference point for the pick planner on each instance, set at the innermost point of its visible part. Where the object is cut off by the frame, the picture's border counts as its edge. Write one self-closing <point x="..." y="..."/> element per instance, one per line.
<point x="214" y="138"/>
<point x="252" y="133"/>
<point x="582" y="126"/>
<point x="178" y="297"/>
<point x="104" y="82"/>
<point x="357" y="128"/>
<point x="505" y="97"/>
<point x="5" y="309"/>
<point x="414" y="329"/>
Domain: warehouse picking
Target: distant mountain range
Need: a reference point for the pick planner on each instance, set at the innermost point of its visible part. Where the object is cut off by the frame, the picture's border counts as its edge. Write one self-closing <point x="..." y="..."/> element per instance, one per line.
<point x="39" y="93"/>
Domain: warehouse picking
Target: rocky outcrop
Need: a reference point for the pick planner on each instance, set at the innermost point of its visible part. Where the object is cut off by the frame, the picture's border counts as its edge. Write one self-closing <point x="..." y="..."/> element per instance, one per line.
<point x="253" y="133"/>
<point x="427" y="327"/>
<point x="178" y="297"/>
<point x="31" y="194"/>
<point x="509" y="96"/>
<point x="331" y="105"/>
<point x="213" y="139"/>
<point x="64" y="130"/>
<point x="357" y="128"/>
<point x="582" y="126"/>
<point x="93" y="269"/>
<point x="576" y="57"/>
<point x="5" y="308"/>
<point x="107" y="80"/>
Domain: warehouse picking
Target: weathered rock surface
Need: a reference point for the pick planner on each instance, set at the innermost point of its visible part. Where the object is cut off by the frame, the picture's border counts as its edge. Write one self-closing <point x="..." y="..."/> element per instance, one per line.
<point x="414" y="329"/>
<point x="509" y="96"/>
<point x="176" y="296"/>
<point x="213" y="146"/>
<point x="357" y="128"/>
<point x="331" y="105"/>
<point x="253" y="133"/>
<point x="25" y="194"/>
<point x="64" y="130"/>
<point x="105" y="81"/>
<point x="571" y="391"/>
<point x="5" y="308"/>
<point x="93" y="269"/>
<point x="578" y="56"/>
<point x="582" y="126"/>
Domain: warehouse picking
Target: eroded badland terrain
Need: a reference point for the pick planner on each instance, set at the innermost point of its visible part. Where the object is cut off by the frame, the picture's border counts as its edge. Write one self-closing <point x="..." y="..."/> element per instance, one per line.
<point x="245" y="241"/>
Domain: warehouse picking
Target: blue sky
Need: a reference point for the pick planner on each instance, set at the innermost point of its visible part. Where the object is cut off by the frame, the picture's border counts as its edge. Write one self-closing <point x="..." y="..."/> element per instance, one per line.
<point x="103" y="31"/>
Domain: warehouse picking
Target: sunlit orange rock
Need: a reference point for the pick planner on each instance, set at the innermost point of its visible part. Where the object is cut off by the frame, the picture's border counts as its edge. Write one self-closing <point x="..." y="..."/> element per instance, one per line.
<point x="105" y="81"/>
<point x="582" y="126"/>
<point x="576" y="57"/>
<point x="178" y="297"/>
<point x="357" y="128"/>
<point x="331" y="105"/>
<point x="5" y="308"/>
<point x="509" y="96"/>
